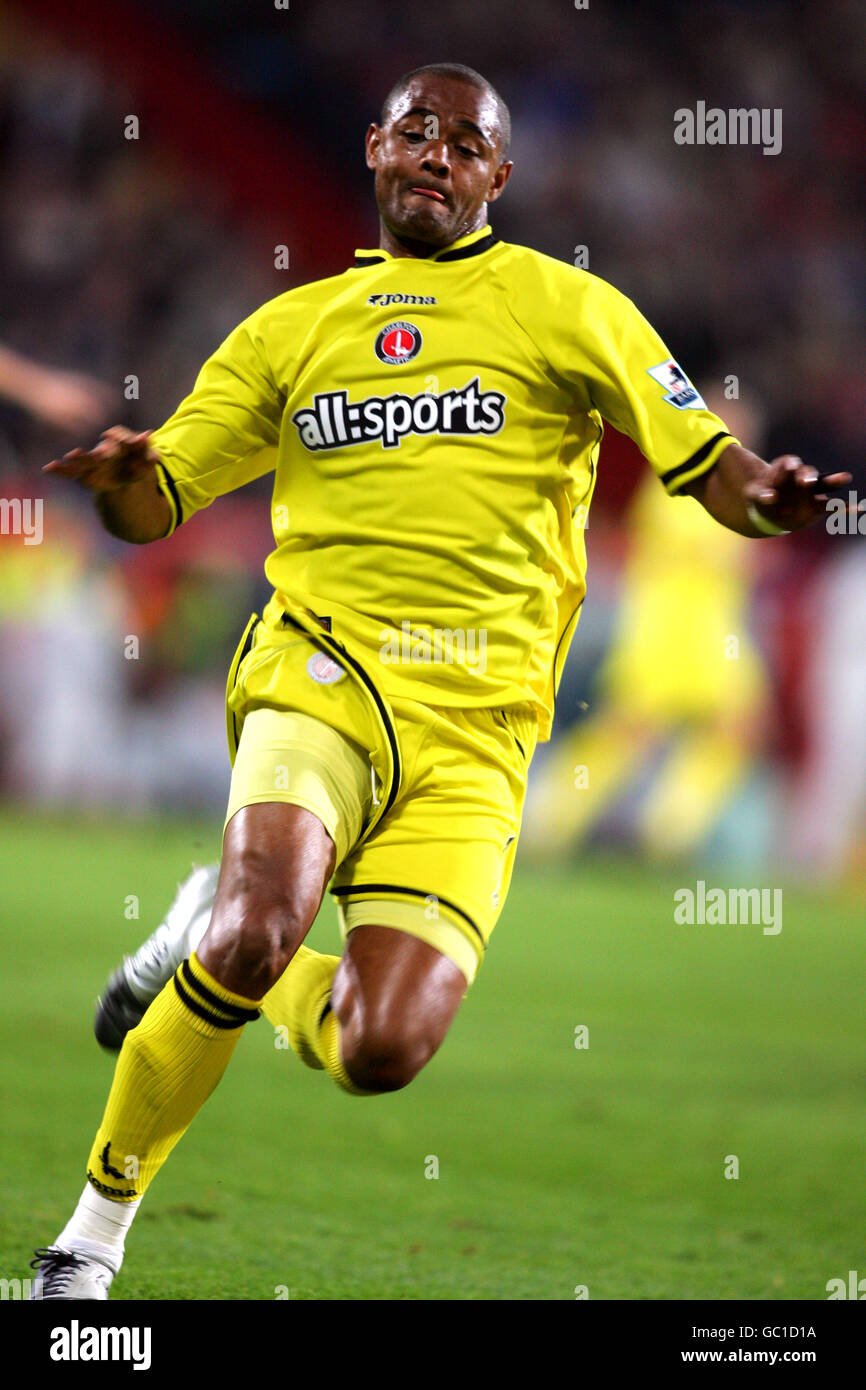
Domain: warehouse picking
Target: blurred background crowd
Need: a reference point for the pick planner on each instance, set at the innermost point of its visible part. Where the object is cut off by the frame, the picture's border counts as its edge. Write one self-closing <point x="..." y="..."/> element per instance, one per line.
<point x="714" y="699"/>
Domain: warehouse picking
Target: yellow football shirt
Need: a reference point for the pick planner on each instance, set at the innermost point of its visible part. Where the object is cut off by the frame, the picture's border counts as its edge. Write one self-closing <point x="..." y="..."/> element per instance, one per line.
<point x="434" y="427"/>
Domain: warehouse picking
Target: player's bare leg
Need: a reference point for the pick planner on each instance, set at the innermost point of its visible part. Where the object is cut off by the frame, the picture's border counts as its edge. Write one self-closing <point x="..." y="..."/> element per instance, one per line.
<point x="373" y="1017"/>
<point x="395" y="998"/>
<point x="366" y="990"/>
<point x="277" y="860"/>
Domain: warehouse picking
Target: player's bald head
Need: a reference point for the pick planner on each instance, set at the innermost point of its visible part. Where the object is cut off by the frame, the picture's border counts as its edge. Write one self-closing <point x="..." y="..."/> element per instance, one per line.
<point x="454" y="72"/>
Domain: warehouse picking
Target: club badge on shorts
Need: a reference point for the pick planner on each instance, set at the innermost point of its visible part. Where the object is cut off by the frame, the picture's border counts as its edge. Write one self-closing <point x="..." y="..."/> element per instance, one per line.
<point x="323" y="669"/>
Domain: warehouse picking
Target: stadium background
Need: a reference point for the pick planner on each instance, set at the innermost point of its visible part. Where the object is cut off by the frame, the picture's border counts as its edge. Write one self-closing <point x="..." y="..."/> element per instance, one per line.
<point x="126" y="259"/>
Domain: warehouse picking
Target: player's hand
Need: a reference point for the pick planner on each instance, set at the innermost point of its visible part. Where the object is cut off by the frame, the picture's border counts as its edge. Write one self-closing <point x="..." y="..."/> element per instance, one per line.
<point x="792" y="494"/>
<point x="120" y="458"/>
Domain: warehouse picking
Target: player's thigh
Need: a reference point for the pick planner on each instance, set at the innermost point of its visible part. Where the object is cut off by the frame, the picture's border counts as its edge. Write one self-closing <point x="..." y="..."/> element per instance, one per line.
<point x="419" y="899"/>
<point x="392" y="990"/>
<point x="395" y="997"/>
<point x="276" y="863"/>
<point x="299" y="796"/>
<point x="439" y="866"/>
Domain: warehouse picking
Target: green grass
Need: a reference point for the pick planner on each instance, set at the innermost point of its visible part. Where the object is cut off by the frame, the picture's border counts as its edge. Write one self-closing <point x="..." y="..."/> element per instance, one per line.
<point x="557" y="1166"/>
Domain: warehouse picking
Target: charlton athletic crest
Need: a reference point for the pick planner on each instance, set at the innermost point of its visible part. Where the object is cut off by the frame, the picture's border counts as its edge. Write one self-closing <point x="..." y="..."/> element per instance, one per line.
<point x="323" y="669"/>
<point x="398" y="343"/>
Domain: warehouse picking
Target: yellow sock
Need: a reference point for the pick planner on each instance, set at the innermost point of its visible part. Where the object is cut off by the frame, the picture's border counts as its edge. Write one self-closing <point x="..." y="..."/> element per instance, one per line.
<point x="300" y="1003"/>
<point x="167" y="1068"/>
<point x="328" y="1046"/>
<point x="298" y="998"/>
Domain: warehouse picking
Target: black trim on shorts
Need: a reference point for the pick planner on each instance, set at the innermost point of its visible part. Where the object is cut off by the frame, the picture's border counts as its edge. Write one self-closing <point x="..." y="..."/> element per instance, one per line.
<point x="692" y="462"/>
<point x="569" y="627"/>
<point x="368" y="888"/>
<point x="245" y="651"/>
<point x="328" y="639"/>
<point x="510" y="729"/>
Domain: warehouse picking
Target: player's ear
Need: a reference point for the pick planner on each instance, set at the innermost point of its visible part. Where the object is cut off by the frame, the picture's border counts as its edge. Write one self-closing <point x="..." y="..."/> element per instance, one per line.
<point x="373" y="143"/>
<point x="499" y="180"/>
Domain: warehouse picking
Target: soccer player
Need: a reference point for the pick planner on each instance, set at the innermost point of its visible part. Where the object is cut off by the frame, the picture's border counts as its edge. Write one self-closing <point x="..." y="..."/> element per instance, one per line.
<point x="433" y="418"/>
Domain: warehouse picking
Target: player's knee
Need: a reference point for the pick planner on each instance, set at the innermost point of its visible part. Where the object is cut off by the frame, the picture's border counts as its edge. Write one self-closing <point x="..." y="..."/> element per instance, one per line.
<point x="265" y="936"/>
<point x="255" y="931"/>
<point x="386" y="1061"/>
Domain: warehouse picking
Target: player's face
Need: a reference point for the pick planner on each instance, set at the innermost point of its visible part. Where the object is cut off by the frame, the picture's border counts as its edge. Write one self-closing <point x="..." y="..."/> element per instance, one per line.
<point x="437" y="162"/>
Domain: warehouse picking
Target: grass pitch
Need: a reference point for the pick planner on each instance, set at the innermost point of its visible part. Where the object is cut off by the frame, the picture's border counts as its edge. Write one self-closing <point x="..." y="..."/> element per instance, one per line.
<point x="558" y="1166"/>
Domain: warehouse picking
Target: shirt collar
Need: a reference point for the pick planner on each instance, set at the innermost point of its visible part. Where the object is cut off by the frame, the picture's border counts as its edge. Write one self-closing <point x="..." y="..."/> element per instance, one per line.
<point x="473" y="244"/>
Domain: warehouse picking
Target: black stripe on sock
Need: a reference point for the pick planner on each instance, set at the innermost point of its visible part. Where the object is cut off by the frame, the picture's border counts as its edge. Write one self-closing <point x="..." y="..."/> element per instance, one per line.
<point x="202" y="1013"/>
<point x="208" y="997"/>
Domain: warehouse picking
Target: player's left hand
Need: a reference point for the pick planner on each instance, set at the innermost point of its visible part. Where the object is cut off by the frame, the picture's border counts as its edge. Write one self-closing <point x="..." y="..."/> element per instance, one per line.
<point x="792" y="494"/>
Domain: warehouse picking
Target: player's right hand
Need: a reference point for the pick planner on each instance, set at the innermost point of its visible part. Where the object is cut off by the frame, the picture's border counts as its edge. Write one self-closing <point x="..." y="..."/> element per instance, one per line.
<point x="120" y="458"/>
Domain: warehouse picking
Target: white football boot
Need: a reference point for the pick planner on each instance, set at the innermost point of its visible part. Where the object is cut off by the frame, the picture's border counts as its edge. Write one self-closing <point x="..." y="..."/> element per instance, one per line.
<point x="69" y="1274"/>
<point x="137" y="982"/>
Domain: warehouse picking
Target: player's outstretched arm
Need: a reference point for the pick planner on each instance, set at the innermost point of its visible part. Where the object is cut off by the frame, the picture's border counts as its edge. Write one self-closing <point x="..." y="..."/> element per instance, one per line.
<point x="121" y="474"/>
<point x="756" y="498"/>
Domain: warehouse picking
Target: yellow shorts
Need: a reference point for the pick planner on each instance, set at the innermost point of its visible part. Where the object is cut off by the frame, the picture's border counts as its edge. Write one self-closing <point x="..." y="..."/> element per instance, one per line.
<point x="423" y="804"/>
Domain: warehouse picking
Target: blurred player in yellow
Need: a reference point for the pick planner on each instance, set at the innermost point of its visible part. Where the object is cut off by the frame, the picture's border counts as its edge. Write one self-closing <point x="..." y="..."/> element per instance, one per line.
<point x="682" y="683"/>
<point x="433" y="418"/>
